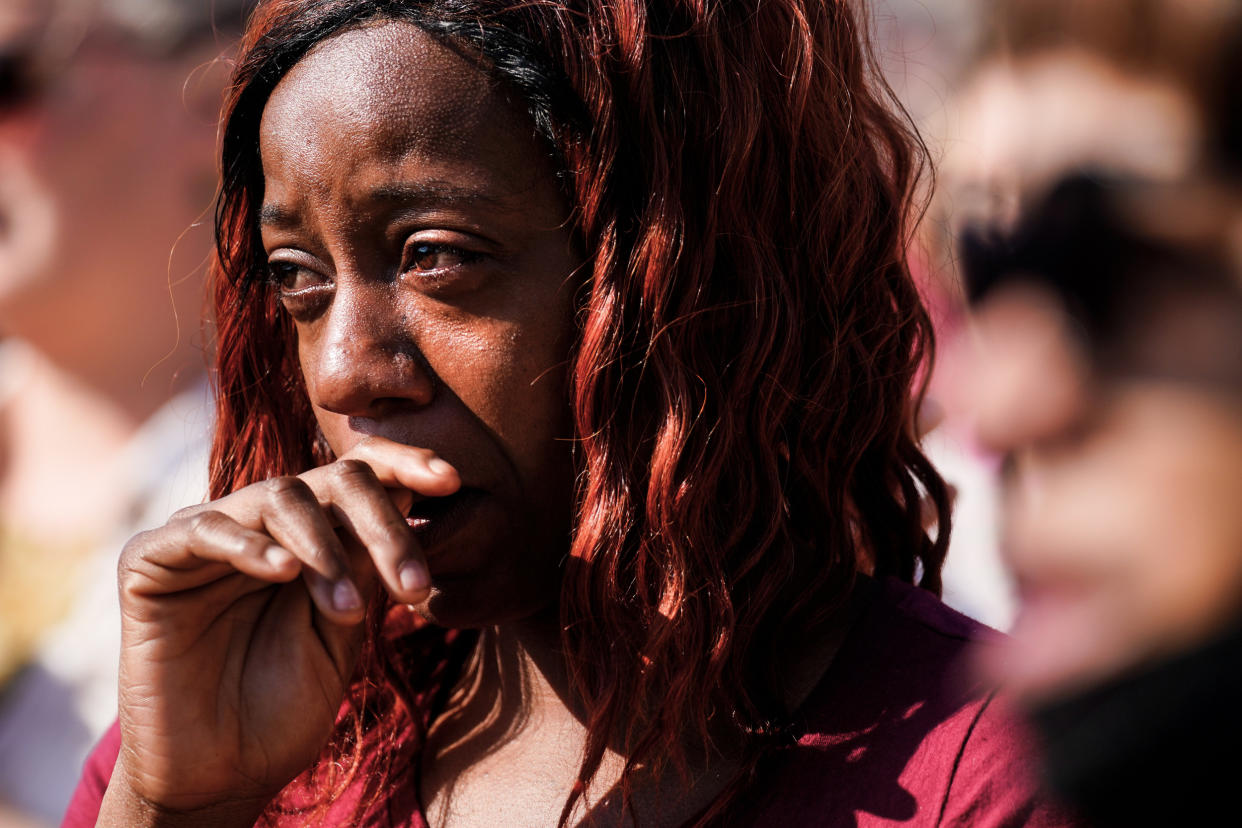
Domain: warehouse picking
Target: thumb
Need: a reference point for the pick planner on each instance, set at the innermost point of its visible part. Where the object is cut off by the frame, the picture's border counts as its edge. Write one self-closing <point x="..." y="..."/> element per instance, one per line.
<point x="344" y="641"/>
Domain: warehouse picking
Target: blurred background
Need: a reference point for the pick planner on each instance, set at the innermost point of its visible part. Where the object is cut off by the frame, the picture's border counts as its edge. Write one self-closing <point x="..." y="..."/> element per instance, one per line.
<point x="107" y="132"/>
<point x="1079" y="253"/>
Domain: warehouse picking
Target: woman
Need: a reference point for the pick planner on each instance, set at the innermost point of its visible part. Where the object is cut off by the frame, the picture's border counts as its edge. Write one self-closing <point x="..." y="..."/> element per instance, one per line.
<point x="580" y="329"/>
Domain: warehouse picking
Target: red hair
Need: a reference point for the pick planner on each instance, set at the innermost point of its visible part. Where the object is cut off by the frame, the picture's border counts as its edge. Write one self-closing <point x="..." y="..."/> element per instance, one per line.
<point x="748" y="352"/>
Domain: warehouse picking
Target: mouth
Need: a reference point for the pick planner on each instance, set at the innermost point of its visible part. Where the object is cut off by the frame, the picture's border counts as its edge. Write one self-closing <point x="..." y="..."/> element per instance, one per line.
<point x="435" y="519"/>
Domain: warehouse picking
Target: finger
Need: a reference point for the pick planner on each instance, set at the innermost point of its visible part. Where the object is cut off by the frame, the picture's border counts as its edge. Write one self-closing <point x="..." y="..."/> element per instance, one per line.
<point x="342" y="642"/>
<point x="292" y="515"/>
<point x="401" y="498"/>
<point x="400" y="468"/>
<point x="397" y="465"/>
<point x="365" y="509"/>
<point x="199" y="549"/>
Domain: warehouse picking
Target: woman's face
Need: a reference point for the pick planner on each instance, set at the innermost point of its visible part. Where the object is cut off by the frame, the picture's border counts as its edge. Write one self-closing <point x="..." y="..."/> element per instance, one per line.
<point x="418" y="241"/>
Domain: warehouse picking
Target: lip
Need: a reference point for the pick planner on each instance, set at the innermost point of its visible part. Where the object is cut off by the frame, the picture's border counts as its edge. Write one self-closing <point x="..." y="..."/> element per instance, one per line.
<point x="436" y="519"/>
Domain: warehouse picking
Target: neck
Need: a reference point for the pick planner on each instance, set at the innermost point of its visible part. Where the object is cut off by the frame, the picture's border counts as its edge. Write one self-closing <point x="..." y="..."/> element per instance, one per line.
<point x="513" y="714"/>
<point x="515" y="676"/>
<point x="518" y="676"/>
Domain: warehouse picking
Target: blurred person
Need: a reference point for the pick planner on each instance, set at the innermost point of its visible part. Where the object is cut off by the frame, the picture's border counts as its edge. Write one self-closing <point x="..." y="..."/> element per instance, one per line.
<point x="1122" y="87"/>
<point x="107" y="120"/>
<point x="1105" y="363"/>
<point x="1107" y="368"/>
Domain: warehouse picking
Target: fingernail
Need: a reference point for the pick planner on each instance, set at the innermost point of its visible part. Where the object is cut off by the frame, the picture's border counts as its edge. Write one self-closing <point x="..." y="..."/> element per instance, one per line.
<point x="413" y="577"/>
<point x="345" y="597"/>
<point x="438" y="466"/>
<point x="278" y="557"/>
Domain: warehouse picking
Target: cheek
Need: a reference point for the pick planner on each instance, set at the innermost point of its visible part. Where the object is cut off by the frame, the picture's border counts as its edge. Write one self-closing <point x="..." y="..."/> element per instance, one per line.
<point x="511" y="375"/>
<point x="335" y="427"/>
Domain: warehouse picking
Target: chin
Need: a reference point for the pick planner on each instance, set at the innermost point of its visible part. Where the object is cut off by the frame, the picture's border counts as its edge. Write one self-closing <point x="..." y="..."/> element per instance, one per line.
<point x="490" y="569"/>
<point x="476" y="602"/>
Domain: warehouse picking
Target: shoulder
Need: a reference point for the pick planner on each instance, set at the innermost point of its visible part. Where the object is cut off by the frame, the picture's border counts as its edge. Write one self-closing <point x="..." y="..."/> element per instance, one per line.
<point x="900" y="730"/>
<point x="994" y="779"/>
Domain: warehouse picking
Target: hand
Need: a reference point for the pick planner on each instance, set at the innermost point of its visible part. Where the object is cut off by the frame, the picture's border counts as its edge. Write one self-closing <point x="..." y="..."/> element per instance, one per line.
<point x="240" y="624"/>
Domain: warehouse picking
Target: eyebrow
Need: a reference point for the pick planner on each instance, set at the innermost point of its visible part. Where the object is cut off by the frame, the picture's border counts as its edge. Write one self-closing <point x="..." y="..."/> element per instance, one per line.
<point x="275" y="215"/>
<point x="423" y="195"/>
<point x="435" y="194"/>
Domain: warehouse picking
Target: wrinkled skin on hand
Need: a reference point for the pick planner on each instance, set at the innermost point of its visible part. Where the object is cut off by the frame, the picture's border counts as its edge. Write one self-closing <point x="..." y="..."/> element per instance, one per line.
<point x="241" y="622"/>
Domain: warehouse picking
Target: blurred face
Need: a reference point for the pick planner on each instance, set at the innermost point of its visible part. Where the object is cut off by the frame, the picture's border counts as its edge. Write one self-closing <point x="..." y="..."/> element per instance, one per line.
<point x="1121" y="522"/>
<point x="416" y="238"/>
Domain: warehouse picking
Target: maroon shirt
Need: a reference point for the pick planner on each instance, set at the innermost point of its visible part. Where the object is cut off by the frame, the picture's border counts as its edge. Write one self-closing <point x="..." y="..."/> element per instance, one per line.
<point x="896" y="733"/>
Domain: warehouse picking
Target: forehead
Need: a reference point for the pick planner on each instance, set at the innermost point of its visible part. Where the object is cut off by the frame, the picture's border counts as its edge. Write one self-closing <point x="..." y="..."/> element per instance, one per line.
<point x="388" y="90"/>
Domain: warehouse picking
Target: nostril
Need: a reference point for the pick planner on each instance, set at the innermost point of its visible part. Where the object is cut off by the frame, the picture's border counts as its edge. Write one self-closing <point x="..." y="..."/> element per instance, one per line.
<point x="381" y="409"/>
<point x="387" y="406"/>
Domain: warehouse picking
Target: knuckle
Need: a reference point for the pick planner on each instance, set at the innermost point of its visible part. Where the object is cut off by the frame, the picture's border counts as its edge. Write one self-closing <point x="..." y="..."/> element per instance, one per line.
<point x="393" y="524"/>
<point x="353" y="476"/>
<point x="252" y="545"/>
<point x="201" y="526"/>
<point x="185" y="513"/>
<point x="126" y="579"/>
<point x="398" y="528"/>
<point x="391" y="539"/>
<point x="130" y="554"/>
<point x="402" y="546"/>
<point x="352" y="468"/>
<point x="130" y="563"/>
<point x="324" y="561"/>
<point x="283" y="489"/>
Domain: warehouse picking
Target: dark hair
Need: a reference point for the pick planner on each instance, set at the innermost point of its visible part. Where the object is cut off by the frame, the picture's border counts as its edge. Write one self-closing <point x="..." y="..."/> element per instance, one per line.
<point x="749" y="338"/>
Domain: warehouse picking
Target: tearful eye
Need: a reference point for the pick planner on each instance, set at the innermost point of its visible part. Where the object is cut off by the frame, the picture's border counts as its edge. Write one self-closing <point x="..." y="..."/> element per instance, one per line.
<point x="304" y="292"/>
<point x="427" y="257"/>
<point x="292" y="278"/>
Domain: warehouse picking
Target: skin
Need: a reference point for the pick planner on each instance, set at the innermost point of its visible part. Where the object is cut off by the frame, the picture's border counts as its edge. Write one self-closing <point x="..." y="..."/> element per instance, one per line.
<point x="417" y="239"/>
<point x="419" y="243"/>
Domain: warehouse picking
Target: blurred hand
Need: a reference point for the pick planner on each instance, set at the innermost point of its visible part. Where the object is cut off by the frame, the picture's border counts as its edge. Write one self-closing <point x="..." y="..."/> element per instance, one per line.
<point x="240" y="627"/>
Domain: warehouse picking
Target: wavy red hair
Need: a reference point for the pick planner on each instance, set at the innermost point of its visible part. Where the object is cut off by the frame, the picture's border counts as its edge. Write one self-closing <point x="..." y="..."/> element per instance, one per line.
<point x="749" y="346"/>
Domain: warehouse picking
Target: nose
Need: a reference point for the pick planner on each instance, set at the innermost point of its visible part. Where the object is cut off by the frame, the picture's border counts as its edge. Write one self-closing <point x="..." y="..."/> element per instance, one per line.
<point x="363" y="360"/>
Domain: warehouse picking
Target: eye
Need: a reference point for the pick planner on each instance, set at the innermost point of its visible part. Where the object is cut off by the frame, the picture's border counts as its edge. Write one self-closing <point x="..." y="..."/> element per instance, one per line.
<point x="431" y="257"/>
<point x="291" y="278"/>
<point x="304" y="292"/>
